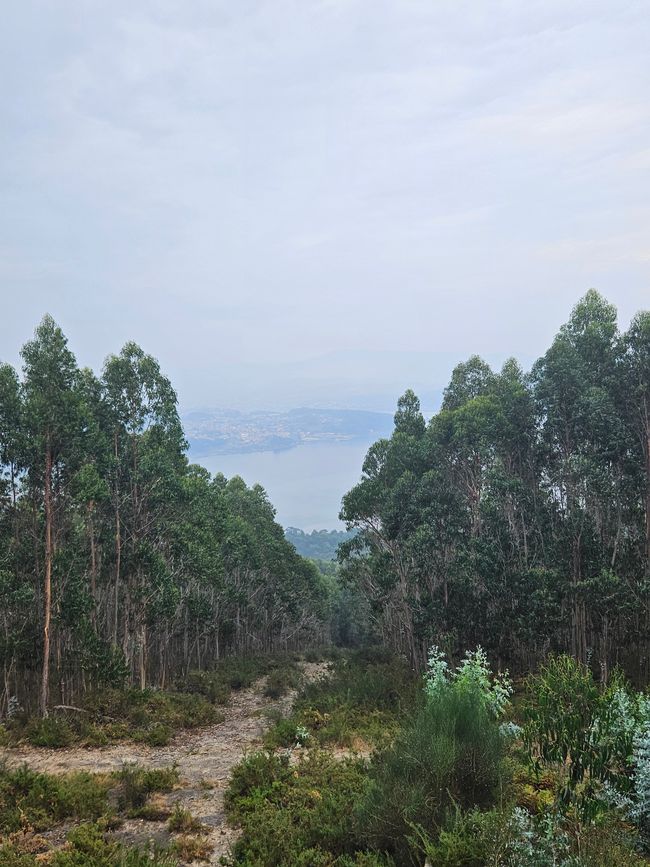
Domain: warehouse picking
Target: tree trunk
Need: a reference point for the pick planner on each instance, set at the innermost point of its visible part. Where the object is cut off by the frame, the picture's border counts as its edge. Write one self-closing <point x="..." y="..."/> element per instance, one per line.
<point x="647" y="504"/>
<point x="47" y="588"/>
<point x="118" y="545"/>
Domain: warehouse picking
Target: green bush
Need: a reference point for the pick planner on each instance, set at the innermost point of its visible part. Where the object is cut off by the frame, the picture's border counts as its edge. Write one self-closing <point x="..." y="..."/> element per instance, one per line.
<point x="210" y="684"/>
<point x="470" y="839"/>
<point x="360" y="701"/>
<point x="283" y="734"/>
<point x="157" y="735"/>
<point x="28" y="798"/>
<point x="137" y="783"/>
<point x="289" y="813"/>
<point x="53" y="732"/>
<point x="280" y="681"/>
<point x="182" y="821"/>
<point x="89" y="848"/>
<point x="449" y="755"/>
<point x="585" y="731"/>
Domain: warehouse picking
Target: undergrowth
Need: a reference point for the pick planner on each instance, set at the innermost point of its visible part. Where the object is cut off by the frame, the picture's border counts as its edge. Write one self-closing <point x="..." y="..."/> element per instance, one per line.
<point x="300" y="814"/>
<point x="154" y="716"/>
<point x="358" y="704"/>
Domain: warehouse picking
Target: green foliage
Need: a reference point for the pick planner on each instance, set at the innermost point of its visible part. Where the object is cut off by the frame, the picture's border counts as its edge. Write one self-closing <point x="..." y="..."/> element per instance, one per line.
<point x="296" y="814"/>
<point x="359" y="702"/>
<point x="146" y="566"/>
<point x="514" y="838"/>
<point x="469" y="839"/>
<point x="280" y="681"/>
<point x="137" y="783"/>
<point x="30" y="799"/>
<point x="448" y="756"/>
<point x="88" y="847"/>
<point x="153" y="712"/>
<point x="182" y="821"/>
<point x="586" y="730"/>
<point x="51" y="732"/>
<point x="517" y="518"/>
<point x="319" y="544"/>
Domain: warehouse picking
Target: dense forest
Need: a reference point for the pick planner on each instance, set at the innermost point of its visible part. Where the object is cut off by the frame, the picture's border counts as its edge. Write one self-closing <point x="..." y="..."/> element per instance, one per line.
<point x="119" y="561"/>
<point x="518" y="518"/>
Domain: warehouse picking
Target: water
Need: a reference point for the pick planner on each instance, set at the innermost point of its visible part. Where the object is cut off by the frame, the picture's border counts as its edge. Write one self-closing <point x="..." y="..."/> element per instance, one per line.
<point x="305" y="484"/>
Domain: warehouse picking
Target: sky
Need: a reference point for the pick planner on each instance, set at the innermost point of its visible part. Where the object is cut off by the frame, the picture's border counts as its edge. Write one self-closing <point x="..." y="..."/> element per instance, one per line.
<point x="320" y="202"/>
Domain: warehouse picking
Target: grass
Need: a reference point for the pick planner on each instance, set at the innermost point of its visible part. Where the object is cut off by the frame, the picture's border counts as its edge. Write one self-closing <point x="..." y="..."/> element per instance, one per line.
<point x="149" y="716"/>
<point x="235" y="673"/>
<point x="138" y="783"/>
<point x="154" y="716"/>
<point x="32" y="803"/>
<point x="182" y="821"/>
<point x="190" y="848"/>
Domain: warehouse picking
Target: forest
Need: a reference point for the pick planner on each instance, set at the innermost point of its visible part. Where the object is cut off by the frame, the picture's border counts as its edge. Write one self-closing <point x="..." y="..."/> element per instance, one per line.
<point x="119" y="561"/>
<point x="518" y="518"/>
<point x="464" y="686"/>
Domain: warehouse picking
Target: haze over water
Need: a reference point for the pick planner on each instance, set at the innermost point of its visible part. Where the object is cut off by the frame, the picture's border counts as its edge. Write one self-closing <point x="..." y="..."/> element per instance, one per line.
<point x="305" y="483"/>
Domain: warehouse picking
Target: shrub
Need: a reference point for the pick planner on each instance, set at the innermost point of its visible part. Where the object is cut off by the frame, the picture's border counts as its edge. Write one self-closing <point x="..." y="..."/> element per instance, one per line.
<point x="287" y="811"/>
<point x="28" y="798"/>
<point x="210" y="684"/>
<point x="182" y="821"/>
<point x="279" y="681"/>
<point x="87" y="847"/>
<point x="591" y="734"/>
<point x="158" y="735"/>
<point x="53" y="732"/>
<point x="192" y="848"/>
<point x="138" y="783"/>
<point x="283" y="734"/>
<point x="359" y="702"/>
<point x="448" y="756"/>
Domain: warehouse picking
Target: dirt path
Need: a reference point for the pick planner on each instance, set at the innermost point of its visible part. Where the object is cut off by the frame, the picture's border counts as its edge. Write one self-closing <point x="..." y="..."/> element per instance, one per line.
<point x="204" y="758"/>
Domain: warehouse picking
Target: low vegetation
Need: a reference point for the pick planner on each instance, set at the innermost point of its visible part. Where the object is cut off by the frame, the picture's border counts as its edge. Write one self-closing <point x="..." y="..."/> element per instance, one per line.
<point x="32" y="804"/>
<point x="154" y="716"/>
<point x="458" y="782"/>
<point x="358" y="704"/>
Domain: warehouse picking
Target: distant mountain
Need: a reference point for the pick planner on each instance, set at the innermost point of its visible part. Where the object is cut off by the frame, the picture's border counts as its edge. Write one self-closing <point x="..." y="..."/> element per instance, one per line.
<point x="220" y="431"/>
<point x="319" y="544"/>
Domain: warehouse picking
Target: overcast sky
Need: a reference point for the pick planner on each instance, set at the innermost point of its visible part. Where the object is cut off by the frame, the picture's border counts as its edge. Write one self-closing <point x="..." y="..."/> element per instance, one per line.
<point x="320" y="201"/>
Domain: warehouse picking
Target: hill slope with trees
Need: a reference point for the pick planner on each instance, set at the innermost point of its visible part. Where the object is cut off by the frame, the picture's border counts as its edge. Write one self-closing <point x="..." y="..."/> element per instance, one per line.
<point x="119" y="560"/>
<point x="519" y="516"/>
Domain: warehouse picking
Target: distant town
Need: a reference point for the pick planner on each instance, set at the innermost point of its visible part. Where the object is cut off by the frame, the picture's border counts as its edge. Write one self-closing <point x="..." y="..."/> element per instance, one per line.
<point x="219" y="431"/>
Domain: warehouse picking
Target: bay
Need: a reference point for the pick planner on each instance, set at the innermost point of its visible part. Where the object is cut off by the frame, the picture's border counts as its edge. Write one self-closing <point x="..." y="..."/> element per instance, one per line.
<point x="305" y="483"/>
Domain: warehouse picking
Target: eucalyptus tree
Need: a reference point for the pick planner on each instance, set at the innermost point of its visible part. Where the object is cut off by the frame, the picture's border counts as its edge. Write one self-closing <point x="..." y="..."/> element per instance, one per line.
<point x="636" y="364"/>
<point x="52" y="428"/>
<point x="514" y="518"/>
<point x="147" y="443"/>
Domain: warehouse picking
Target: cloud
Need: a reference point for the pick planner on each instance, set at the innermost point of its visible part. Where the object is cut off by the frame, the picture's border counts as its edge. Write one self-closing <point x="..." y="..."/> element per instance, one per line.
<point x="264" y="183"/>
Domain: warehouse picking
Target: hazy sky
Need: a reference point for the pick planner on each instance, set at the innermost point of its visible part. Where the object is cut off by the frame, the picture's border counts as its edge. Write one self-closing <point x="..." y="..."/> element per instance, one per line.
<point x="320" y="201"/>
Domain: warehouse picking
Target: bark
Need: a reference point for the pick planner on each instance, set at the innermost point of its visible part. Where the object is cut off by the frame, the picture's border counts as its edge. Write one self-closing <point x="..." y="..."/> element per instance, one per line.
<point x="47" y="586"/>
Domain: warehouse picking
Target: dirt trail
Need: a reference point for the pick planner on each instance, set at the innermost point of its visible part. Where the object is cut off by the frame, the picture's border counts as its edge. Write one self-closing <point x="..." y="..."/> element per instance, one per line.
<point x="204" y="758"/>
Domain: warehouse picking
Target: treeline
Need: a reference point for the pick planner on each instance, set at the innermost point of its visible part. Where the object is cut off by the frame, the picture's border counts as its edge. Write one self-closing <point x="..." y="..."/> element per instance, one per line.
<point x="518" y="518"/>
<point x="319" y="544"/>
<point x="119" y="561"/>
